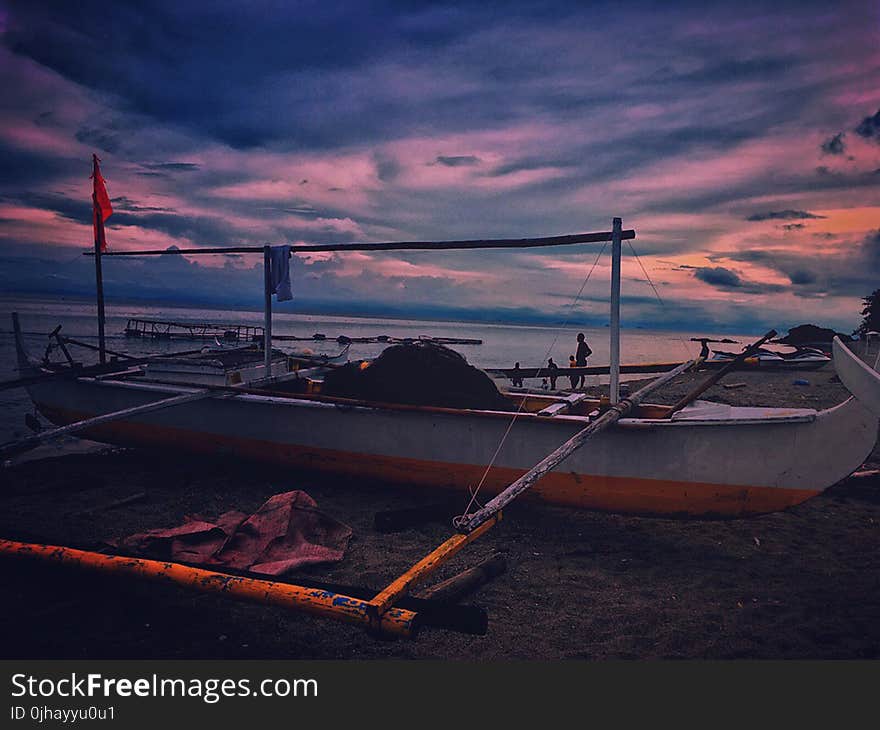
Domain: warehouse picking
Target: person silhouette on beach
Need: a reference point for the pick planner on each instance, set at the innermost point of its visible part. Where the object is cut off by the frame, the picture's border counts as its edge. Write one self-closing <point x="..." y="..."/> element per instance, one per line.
<point x="554" y="373"/>
<point x="572" y="378"/>
<point x="516" y="377"/>
<point x="583" y="352"/>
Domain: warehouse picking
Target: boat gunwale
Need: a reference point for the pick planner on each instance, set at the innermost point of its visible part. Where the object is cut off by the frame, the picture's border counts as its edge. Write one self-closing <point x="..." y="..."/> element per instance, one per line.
<point x="323" y="401"/>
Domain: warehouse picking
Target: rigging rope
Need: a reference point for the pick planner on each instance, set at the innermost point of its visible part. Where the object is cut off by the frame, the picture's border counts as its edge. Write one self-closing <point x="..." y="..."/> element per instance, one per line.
<point x="657" y="294"/>
<point x="475" y="491"/>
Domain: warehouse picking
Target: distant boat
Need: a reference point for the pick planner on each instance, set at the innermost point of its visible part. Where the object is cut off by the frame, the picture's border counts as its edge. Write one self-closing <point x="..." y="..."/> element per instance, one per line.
<point x="156" y="329"/>
<point x="803" y="358"/>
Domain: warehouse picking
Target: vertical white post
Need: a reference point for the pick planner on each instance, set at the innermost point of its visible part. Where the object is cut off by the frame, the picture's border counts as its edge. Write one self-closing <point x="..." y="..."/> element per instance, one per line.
<point x="267" y="311"/>
<point x="614" y="385"/>
<point x="98" y="217"/>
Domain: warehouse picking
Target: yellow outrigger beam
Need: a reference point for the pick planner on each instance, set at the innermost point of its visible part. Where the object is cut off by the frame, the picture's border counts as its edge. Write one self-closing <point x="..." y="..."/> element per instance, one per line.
<point x="392" y="622"/>
<point x="382" y="602"/>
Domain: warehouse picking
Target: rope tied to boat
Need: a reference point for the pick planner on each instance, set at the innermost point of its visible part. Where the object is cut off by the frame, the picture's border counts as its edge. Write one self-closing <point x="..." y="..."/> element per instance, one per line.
<point x="474" y="491"/>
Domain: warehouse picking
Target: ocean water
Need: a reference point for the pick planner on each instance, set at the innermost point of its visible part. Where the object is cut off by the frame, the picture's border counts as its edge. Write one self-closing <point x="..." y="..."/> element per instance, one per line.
<point x="503" y="344"/>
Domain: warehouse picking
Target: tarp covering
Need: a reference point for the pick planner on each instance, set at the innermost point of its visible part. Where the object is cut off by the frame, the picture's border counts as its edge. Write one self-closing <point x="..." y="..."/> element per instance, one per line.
<point x="287" y="532"/>
<point x="418" y="373"/>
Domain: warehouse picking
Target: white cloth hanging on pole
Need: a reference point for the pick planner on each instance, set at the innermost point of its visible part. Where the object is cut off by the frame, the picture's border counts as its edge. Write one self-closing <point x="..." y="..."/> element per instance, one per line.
<point x="279" y="272"/>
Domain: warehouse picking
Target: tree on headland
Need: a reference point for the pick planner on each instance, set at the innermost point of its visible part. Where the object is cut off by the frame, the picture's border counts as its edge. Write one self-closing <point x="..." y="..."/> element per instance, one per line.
<point x="870" y="314"/>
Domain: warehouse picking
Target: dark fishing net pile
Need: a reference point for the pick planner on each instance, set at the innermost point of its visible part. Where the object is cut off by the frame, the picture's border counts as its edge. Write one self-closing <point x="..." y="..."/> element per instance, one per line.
<point x="421" y="374"/>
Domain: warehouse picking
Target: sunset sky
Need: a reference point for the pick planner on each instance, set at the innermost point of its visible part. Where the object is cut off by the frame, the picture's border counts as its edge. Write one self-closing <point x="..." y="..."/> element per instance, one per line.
<point x="740" y="141"/>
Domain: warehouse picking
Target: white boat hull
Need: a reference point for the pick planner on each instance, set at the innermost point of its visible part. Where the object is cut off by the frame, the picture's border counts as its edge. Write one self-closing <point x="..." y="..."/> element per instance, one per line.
<point x="750" y="461"/>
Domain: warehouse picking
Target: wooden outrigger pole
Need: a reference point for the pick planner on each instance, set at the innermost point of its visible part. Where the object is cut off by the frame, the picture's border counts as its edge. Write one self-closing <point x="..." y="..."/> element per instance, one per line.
<point x="599" y="237"/>
<point x="394" y="622"/>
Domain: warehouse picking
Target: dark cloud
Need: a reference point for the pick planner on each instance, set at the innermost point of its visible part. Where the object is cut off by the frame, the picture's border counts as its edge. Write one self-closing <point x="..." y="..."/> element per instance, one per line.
<point x="871" y="249"/>
<point x="457" y="160"/>
<point x="127" y="204"/>
<point x="79" y="211"/>
<point x="783" y="215"/>
<point x="718" y="276"/>
<point x="794" y="226"/>
<point x="202" y="230"/>
<point x="731" y="70"/>
<point x="28" y="168"/>
<point x="387" y="168"/>
<point x="532" y="163"/>
<point x="869" y="127"/>
<point x="105" y="139"/>
<point x="852" y="272"/>
<point x="834" y="145"/>
<point x="728" y="280"/>
<point x="171" y="166"/>
<point x="802" y="277"/>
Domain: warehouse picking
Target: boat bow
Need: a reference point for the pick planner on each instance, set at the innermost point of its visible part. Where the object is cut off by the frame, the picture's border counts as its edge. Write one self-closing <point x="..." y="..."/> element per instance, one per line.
<point x="859" y="378"/>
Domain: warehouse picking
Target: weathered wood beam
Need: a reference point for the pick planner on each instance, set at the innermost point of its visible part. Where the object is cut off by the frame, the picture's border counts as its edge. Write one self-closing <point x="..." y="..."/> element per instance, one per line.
<point x="455" y="588"/>
<point x="598" y="237"/>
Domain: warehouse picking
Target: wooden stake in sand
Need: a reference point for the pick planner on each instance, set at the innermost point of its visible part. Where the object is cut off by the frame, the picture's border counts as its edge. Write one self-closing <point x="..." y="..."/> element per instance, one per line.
<point x="455" y="588"/>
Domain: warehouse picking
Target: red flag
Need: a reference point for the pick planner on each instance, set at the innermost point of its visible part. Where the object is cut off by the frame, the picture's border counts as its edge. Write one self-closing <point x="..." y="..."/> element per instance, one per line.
<point x="101" y="209"/>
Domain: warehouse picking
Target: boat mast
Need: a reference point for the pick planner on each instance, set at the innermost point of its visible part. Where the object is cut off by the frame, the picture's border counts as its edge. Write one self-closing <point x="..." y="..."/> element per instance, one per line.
<point x="99" y="277"/>
<point x="614" y="383"/>
<point x="267" y="311"/>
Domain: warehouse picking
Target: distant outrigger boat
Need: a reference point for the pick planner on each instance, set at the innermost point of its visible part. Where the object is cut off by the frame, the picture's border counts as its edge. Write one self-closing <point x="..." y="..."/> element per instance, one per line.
<point x="155" y="329"/>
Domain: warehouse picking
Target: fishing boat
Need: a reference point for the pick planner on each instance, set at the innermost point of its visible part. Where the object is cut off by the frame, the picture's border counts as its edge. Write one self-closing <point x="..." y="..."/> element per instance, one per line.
<point x="706" y="459"/>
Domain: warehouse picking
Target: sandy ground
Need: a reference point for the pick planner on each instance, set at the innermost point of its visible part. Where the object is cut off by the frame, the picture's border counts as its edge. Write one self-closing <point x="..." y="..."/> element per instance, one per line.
<point x="804" y="583"/>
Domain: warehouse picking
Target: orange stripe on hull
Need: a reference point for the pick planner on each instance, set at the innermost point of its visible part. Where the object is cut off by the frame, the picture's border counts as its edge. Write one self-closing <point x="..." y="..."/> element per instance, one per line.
<point x="614" y="494"/>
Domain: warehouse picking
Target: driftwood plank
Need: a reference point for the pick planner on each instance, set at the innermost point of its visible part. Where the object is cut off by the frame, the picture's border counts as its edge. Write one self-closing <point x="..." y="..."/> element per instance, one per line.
<point x="455" y="588"/>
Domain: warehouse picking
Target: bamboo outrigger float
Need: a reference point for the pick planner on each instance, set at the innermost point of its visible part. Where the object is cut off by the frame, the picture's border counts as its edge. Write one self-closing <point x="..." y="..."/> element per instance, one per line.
<point x="693" y="460"/>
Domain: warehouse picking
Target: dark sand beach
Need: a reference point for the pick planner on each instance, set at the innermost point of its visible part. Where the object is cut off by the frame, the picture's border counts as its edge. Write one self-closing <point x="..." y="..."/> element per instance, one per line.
<point x="804" y="583"/>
